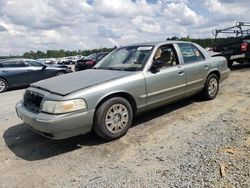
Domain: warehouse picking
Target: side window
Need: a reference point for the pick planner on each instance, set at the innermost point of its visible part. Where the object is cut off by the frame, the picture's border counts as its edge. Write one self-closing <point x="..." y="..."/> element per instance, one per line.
<point x="14" y="64"/>
<point x="20" y="64"/>
<point x="33" y="63"/>
<point x="100" y="57"/>
<point x="9" y="64"/>
<point x="167" y="55"/>
<point x="190" y="53"/>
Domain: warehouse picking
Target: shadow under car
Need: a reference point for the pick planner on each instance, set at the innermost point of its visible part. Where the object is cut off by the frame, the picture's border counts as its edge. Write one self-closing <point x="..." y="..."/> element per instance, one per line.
<point x="30" y="146"/>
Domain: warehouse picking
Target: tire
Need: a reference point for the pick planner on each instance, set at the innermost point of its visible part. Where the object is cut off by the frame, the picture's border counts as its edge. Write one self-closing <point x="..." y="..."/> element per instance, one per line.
<point x="119" y="122"/>
<point x="59" y="73"/>
<point x="211" y="87"/>
<point x="3" y="85"/>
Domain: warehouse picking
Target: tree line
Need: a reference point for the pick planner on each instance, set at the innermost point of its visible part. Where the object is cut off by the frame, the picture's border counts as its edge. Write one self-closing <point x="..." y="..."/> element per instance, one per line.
<point x="206" y="42"/>
<point x="58" y="53"/>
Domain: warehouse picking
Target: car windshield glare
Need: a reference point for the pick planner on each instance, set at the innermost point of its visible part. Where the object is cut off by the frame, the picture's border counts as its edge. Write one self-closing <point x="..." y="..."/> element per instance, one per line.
<point x="131" y="58"/>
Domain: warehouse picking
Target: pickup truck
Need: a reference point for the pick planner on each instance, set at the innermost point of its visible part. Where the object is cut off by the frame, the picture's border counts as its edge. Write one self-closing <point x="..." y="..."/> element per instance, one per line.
<point x="234" y="49"/>
<point x="130" y="80"/>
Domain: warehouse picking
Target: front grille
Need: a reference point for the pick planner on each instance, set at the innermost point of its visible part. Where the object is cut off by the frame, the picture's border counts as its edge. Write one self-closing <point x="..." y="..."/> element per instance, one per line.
<point x="32" y="101"/>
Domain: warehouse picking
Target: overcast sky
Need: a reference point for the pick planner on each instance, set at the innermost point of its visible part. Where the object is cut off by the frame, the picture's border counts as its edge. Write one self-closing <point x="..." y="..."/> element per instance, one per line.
<point x="85" y="24"/>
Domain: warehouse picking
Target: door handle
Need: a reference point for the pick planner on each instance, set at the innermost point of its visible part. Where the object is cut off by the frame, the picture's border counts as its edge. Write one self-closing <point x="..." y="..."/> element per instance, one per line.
<point x="181" y="73"/>
<point x="29" y="70"/>
<point x="5" y="71"/>
<point x="206" y="67"/>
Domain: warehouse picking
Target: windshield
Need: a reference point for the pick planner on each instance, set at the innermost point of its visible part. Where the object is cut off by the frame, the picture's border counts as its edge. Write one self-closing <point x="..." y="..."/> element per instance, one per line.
<point x="131" y="58"/>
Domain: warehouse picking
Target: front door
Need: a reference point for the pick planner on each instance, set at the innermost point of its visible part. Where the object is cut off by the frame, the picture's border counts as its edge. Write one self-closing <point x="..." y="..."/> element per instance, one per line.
<point x="169" y="82"/>
<point x="37" y="72"/>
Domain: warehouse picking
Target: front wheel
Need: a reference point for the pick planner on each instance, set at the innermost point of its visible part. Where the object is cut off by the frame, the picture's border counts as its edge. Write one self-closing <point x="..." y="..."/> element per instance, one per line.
<point x="60" y="73"/>
<point x="113" y="118"/>
<point x="211" y="87"/>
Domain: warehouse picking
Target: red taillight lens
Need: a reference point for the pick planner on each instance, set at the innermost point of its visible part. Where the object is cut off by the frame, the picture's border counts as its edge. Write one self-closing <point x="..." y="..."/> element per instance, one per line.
<point x="244" y="47"/>
<point x="90" y="62"/>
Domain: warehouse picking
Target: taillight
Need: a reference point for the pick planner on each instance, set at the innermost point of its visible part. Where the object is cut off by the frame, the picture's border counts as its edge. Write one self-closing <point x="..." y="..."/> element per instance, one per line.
<point x="90" y="62"/>
<point x="244" y="46"/>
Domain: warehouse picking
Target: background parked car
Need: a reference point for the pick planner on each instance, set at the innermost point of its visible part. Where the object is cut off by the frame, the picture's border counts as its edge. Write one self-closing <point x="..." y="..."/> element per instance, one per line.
<point x="70" y="60"/>
<point x="21" y="72"/>
<point x="235" y="49"/>
<point x="89" y="61"/>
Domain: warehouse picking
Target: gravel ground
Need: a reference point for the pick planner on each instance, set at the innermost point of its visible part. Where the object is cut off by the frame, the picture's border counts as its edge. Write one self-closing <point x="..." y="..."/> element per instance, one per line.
<point x="188" y="144"/>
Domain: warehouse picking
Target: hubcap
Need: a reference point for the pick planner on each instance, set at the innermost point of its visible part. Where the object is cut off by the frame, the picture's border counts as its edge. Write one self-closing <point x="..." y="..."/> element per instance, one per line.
<point x="116" y="118"/>
<point x="212" y="87"/>
<point x="2" y="85"/>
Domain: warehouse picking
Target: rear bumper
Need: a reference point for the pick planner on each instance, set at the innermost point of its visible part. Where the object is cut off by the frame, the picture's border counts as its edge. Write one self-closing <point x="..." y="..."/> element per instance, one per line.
<point x="224" y="75"/>
<point x="57" y="126"/>
<point x="242" y="56"/>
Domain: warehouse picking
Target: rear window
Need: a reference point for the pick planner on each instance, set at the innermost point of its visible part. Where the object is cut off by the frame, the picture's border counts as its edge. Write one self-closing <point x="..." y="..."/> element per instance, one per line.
<point x="33" y="63"/>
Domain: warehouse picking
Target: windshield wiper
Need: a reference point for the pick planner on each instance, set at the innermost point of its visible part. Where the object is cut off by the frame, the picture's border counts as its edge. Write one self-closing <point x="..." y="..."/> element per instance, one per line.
<point x="131" y="69"/>
<point x="109" y="68"/>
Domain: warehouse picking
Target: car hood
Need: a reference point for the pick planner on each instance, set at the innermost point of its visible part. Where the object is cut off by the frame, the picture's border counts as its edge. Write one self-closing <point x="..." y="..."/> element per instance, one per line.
<point x="68" y="83"/>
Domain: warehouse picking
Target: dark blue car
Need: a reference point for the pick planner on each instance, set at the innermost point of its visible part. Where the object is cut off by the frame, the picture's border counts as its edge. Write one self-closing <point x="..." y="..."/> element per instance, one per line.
<point x="22" y="72"/>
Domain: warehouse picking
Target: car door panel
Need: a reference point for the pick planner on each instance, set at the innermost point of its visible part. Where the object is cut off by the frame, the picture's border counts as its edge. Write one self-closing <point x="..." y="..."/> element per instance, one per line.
<point x="18" y="75"/>
<point x="165" y="86"/>
<point x="196" y="67"/>
<point x="35" y="73"/>
<point x="196" y="76"/>
<point x="169" y="82"/>
<point x="38" y="72"/>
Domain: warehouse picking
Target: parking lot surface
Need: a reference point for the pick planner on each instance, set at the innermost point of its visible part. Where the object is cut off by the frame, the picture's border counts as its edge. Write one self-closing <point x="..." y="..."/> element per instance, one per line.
<point x="192" y="143"/>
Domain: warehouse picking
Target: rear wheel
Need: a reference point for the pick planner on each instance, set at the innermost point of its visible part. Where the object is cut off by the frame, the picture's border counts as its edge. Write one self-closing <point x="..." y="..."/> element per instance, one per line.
<point x="113" y="118"/>
<point x="3" y="85"/>
<point x="211" y="87"/>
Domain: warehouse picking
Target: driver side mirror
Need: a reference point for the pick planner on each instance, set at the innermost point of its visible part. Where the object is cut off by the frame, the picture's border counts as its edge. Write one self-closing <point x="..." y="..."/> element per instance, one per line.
<point x="44" y="67"/>
<point x="156" y="65"/>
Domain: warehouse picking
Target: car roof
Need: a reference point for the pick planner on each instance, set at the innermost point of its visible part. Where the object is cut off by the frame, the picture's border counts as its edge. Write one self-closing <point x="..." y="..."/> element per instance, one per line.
<point x="158" y="43"/>
<point x="21" y="59"/>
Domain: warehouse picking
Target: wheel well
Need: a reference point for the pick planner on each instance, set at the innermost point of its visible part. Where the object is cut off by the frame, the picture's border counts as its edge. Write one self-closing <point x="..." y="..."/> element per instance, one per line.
<point x="217" y="73"/>
<point x="61" y="71"/>
<point x="4" y="80"/>
<point x="127" y="96"/>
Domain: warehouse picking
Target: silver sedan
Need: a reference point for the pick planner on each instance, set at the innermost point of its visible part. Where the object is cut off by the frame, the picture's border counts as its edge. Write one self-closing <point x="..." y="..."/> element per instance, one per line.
<point x="130" y="80"/>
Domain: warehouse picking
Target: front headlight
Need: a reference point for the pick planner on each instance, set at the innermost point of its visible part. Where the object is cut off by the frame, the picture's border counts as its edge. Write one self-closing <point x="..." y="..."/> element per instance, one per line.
<point x="60" y="107"/>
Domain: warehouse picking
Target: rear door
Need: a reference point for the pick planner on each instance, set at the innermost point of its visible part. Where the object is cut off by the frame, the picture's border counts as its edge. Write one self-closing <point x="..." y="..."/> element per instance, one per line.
<point x="169" y="83"/>
<point x="196" y="67"/>
<point x="16" y="72"/>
